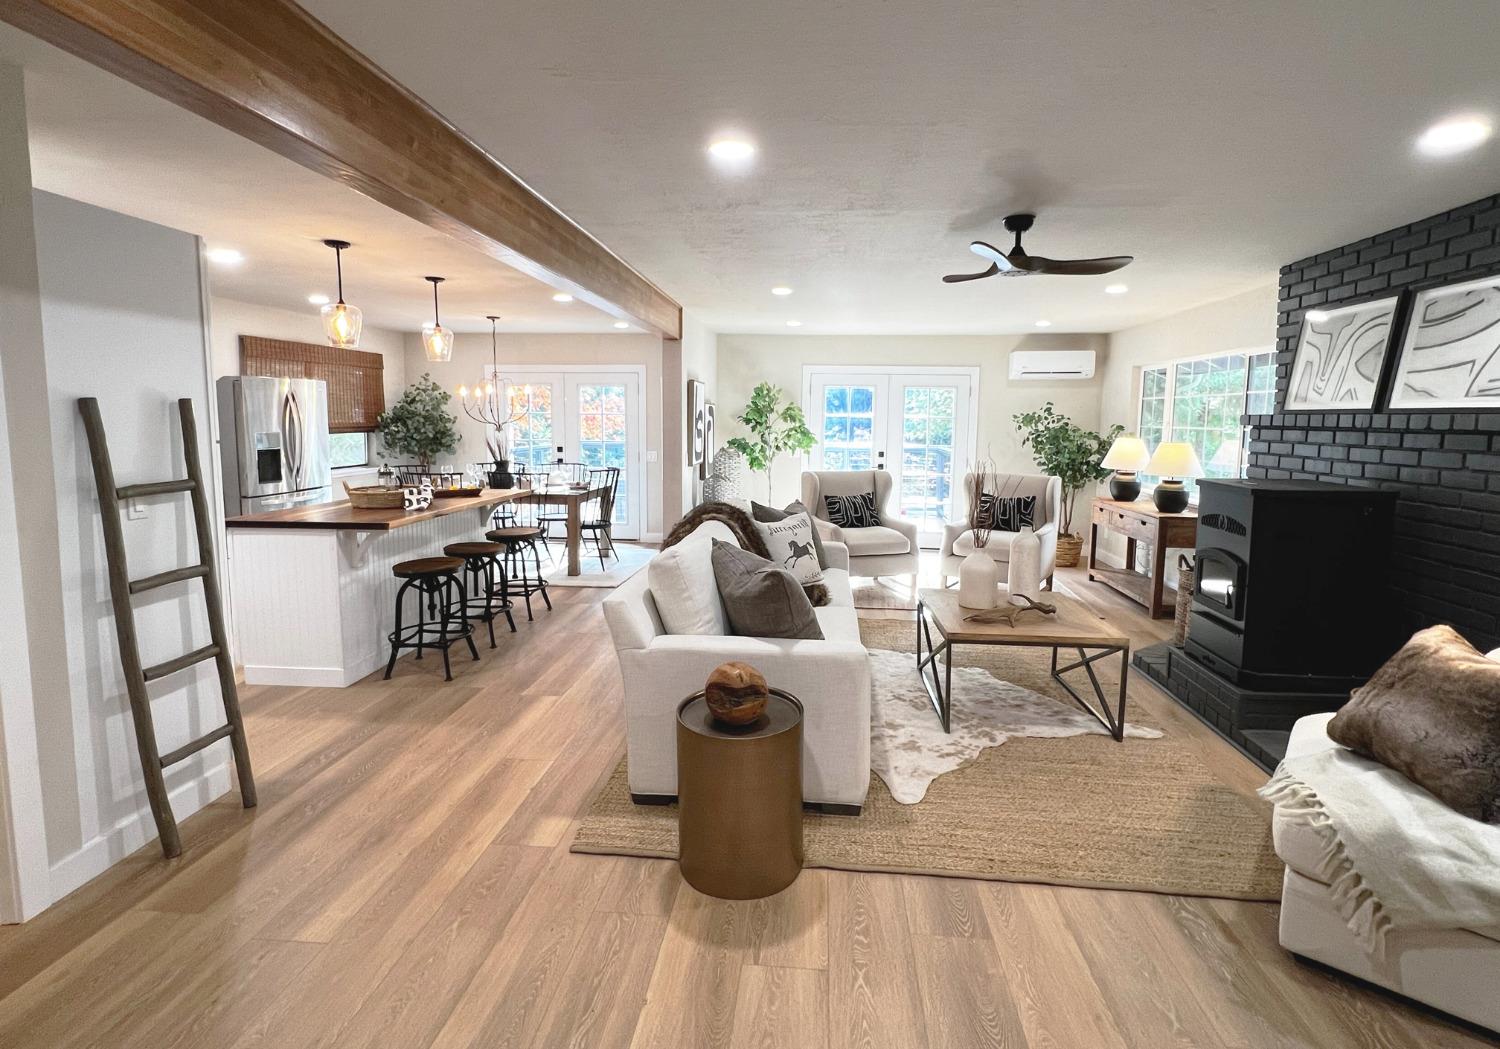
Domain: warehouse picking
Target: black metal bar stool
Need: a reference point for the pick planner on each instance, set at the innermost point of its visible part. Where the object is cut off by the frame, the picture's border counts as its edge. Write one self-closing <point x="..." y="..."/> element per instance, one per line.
<point x="442" y="610"/>
<point x="522" y="578"/>
<point x="484" y="594"/>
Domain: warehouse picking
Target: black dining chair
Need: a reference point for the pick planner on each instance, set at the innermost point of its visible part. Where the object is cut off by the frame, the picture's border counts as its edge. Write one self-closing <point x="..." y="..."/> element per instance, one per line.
<point x="598" y="511"/>
<point x="572" y="473"/>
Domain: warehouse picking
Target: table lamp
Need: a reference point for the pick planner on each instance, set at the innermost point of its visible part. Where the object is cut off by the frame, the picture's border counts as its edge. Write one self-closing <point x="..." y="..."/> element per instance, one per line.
<point x="1126" y="456"/>
<point x="1172" y="462"/>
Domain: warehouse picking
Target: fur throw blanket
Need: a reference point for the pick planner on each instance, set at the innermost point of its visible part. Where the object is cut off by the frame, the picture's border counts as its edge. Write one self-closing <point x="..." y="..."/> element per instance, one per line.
<point x="745" y="533"/>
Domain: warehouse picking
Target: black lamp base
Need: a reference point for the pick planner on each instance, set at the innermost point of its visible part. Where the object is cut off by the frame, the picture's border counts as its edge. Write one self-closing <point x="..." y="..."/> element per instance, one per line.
<point x="1170" y="497"/>
<point x="1123" y="487"/>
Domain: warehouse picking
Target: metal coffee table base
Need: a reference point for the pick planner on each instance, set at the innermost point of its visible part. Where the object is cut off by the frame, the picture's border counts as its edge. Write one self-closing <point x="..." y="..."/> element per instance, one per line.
<point x="939" y="682"/>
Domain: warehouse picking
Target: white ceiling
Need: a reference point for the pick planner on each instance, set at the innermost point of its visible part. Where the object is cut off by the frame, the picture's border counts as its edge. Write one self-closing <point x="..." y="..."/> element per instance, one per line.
<point x="1215" y="140"/>
<point x="98" y="139"/>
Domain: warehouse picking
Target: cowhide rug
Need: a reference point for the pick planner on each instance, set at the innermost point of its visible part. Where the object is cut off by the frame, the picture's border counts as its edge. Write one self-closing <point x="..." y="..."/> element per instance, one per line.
<point x="908" y="747"/>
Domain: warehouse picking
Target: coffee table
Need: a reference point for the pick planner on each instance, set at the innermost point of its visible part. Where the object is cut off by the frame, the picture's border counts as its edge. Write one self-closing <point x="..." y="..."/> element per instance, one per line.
<point x="1075" y="626"/>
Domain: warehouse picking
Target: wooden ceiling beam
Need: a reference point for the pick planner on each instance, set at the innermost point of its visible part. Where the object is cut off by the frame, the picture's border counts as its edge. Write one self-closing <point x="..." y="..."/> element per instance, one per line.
<point x="268" y="70"/>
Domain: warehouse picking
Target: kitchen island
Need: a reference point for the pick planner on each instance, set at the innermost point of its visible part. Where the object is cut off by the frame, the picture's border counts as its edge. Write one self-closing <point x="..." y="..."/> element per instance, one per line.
<point x="311" y="590"/>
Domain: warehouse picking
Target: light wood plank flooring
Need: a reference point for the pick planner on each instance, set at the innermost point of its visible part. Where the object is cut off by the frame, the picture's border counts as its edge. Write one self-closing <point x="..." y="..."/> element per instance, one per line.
<point x="406" y="883"/>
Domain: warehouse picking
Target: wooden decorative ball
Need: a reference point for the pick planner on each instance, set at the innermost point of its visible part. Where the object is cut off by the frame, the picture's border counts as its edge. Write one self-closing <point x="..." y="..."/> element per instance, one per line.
<point x="736" y="693"/>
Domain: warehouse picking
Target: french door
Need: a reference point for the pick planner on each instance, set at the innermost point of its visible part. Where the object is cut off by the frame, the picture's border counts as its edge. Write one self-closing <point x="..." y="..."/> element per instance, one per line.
<point x="592" y="417"/>
<point x="917" y="424"/>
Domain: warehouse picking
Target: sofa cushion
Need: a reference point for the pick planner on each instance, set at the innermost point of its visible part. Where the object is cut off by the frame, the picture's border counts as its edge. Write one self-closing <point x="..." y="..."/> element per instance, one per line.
<point x="683" y="587"/>
<point x="840" y="590"/>
<point x="760" y="599"/>
<point x="791" y="546"/>
<point x="998" y="547"/>
<point x="1009" y="513"/>
<point x="866" y="542"/>
<point x="852" y="511"/>
<point x="1432" y="713"/>
<point x="768" y="514"/>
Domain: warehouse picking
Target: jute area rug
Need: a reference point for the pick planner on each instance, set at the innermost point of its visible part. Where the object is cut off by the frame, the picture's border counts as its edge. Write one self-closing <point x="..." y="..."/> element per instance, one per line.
<point x="1082" y="810"/>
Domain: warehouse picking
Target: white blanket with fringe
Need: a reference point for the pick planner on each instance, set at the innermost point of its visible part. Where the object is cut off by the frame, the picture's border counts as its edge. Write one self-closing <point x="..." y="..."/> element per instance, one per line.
<point x="1394" y="856"/>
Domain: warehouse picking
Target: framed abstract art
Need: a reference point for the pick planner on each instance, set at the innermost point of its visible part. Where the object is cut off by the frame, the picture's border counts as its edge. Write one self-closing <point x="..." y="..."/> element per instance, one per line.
<point x="1450" y="352"/>
<point x="1340" y="355"/>
<point x="697" y="435"/>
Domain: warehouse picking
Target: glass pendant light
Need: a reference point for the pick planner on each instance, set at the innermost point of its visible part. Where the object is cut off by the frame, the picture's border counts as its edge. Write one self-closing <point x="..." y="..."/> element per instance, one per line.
<point x="341" y="322"/>
<point x="436" y="339"/>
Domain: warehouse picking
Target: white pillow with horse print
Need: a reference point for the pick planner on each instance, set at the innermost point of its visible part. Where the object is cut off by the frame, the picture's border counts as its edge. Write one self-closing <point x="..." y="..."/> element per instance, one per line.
<point x="790" y="543"/>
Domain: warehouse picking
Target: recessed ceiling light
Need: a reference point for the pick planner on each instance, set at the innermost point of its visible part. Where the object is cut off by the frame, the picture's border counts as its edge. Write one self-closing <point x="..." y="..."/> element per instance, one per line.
<point x="1455" y="135"/>
<point x="622" y="324"/>
<point x="1044" y="324"/>
<point x="1116" y="289"/>
<point x="318" y="299"/>
<point x="225" y="256"/>
<point x="794" y="324"/>
<point x="562" y="296"/>
<point x="731" y="148"/>
<point x="781" y="289"/>
<point x="1317" y="316"/>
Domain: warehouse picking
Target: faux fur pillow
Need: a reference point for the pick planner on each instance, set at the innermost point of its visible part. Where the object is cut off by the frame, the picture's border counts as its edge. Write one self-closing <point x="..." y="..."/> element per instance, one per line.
<point x="1432" y="713"/>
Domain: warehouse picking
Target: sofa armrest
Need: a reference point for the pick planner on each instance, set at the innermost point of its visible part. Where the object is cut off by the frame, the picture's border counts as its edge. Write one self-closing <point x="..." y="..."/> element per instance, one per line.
<point x="951" y="532"/>
<point x="905" y="527"/>
<point x="838" y="554"/>
<point x="828" y="530"/>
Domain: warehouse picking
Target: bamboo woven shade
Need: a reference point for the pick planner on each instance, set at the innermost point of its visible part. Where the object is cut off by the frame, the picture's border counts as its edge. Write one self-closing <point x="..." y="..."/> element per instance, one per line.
<point x="355" y="378"/>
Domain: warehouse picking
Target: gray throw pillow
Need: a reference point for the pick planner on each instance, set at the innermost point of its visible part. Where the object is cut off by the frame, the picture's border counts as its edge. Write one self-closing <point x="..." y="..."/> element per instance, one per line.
<point x="760" y="599"/>
<point x="770" y="515"/>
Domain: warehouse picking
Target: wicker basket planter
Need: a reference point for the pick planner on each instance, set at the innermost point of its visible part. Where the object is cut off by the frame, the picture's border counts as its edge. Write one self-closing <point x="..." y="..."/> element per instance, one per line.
<point x="1069" y="550"/>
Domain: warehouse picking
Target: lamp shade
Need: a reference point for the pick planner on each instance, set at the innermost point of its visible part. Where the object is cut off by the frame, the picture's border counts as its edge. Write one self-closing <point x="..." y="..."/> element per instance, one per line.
<point x="342" y="324"/>
<point x="437" y="341"/>
<point x="1128" y="453"/>
<point x="1175" y="459"/>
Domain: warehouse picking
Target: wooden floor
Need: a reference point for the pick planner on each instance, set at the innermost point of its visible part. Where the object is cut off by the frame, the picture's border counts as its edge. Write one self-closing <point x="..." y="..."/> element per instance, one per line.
<point x="406" y="883"/>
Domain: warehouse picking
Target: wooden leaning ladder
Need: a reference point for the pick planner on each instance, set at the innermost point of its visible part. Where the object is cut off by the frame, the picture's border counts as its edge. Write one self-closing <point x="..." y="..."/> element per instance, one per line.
<point x="122" y="587"/>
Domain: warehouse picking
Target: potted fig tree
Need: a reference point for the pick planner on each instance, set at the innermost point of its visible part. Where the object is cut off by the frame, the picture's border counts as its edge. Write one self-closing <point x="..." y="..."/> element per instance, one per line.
<point x="419" y="425"/>
<point x="1072" y="454"/>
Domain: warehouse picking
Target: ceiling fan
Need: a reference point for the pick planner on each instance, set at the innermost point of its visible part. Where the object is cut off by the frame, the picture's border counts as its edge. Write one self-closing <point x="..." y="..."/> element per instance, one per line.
<point x="1017" y="263"/>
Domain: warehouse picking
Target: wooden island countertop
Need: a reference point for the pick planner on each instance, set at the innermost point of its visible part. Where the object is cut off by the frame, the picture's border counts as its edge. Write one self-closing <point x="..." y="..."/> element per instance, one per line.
<point x="341" y="516"/>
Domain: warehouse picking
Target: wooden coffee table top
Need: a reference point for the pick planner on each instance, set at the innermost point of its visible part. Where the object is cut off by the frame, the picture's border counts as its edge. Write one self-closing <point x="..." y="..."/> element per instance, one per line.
<point x="1075" y="624"/>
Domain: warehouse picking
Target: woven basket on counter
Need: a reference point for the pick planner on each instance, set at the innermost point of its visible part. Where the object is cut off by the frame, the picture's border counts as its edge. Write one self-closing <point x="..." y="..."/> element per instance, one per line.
<point x="375" y="497"/>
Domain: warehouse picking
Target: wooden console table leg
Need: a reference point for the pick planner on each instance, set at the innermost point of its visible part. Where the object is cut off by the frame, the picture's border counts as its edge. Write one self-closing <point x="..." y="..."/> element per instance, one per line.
<point x="1158" y="576"/>
<point x="1093" y="547"/>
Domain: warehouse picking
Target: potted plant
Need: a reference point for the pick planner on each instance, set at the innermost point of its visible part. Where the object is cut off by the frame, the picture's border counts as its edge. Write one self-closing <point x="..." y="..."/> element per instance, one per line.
<point x="419" y="424"/>
<point x="498" y="442"/>
<point x="1073" y="455"/>
<point x="776" y="425"/>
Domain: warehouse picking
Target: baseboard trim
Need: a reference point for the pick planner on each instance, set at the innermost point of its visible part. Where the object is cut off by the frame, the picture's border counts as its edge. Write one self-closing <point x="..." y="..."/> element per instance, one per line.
<point x="130" y="833"/>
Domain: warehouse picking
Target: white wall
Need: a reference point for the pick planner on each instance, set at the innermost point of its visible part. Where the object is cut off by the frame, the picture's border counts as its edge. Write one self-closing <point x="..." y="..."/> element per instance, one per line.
<point x="471" y="353"/>
<point x="745" y="360"/>
<point x="700" y="360"/>
<point x="122" y="313"/>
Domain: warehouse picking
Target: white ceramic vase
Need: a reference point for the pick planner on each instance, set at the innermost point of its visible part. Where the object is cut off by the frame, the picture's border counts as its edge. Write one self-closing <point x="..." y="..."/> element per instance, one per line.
<point x="1024" y="574"/>
<point x="978" y="581"/>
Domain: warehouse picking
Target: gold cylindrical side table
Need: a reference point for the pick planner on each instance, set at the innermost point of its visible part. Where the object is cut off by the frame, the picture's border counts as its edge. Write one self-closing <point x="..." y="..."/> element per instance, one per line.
<point x="739" y="792"/>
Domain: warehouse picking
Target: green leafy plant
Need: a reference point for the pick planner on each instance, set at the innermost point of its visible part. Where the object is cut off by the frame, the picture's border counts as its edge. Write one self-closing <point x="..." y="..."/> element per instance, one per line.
<point x="1065" y="450"/>
<point x="419" y="424"/>
<point x="776" y="425"/>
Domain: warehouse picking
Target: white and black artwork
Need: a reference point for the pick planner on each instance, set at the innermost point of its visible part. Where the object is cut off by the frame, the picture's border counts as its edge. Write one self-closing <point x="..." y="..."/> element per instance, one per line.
<point x="1450" y="355"/>
<point x="1340" y="354"/>
<point x="705" y="466"/>
<point x="697" y="423"/>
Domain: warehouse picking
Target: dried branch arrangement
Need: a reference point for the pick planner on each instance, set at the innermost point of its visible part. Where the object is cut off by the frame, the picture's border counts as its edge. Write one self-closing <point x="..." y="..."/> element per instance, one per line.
<point x="979" y="481"/>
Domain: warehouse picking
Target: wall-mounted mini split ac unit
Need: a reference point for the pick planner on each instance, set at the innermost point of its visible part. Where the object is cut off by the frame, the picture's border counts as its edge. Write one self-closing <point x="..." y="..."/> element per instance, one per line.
<point x="1051" y="365"/>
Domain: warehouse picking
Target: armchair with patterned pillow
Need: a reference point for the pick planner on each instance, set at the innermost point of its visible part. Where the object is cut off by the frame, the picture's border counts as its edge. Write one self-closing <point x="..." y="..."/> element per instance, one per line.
<point x="1019" y="501"/>
<point x="852" y="507"/>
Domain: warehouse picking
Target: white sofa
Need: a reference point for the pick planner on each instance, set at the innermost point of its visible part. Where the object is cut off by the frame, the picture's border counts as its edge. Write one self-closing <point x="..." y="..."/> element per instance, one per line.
<point x="958" y="539"/>
<point x="889" y="548"/>
<point x="1455" y="970"/>
<point x="831" y="677"/>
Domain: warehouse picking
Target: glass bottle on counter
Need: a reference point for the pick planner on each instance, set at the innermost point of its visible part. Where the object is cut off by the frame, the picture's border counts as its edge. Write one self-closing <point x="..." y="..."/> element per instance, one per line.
<point x="387" y="476"/>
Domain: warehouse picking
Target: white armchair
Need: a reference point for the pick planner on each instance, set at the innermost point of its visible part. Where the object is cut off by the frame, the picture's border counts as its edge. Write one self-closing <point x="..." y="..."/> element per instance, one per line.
<point x="958" y="540"/>
<point x="890" y="548"/>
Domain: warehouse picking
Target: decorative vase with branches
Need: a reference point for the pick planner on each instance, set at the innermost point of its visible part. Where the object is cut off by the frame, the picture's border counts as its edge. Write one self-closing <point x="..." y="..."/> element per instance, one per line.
<point x="419" y="424"/>
<point x="978" y="574"/>
<point x="776" y="426"/>
<point x="1073" y="455"/>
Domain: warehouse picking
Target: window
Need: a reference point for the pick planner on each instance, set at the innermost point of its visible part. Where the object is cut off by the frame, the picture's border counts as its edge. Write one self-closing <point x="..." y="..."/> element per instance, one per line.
<point x="531" y="438"/>
<point x="348" y="449"/>
<point x="1201" y="401"/>
<point x="927" y="444"/>
<point x="849" y="428"/>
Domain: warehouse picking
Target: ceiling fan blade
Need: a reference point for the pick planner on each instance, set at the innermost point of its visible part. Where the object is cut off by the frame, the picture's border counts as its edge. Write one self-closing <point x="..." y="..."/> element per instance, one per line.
<point x="994" y="254"/>
<point x="1074" y="267"/>
<point x="954" y="278"/>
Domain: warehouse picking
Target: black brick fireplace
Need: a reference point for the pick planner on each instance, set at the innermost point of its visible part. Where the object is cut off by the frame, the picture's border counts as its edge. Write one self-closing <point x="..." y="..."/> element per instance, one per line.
<point x="1444" y="560"/>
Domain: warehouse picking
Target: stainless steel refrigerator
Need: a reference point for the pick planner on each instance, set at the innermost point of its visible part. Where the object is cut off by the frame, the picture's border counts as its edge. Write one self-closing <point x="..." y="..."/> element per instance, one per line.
<point x="273" y="436"/>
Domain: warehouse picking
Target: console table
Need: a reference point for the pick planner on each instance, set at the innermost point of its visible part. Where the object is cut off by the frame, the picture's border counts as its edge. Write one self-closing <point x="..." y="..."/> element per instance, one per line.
<point x="1141" y="522"/>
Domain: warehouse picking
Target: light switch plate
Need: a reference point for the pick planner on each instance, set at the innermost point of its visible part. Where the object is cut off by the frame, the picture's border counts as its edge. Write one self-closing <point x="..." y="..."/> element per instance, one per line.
<point x="135" y="510"/>
<point x="650" y="455"/>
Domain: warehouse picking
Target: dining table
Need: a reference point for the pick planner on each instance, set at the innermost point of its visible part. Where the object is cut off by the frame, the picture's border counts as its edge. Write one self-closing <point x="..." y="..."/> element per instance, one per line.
<point x="571" y="498"/>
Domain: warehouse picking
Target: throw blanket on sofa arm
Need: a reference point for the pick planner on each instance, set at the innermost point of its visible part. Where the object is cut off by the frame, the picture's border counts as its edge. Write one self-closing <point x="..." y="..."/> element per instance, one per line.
<point x="745" y="533"/>
<point x="1394" y="856"/>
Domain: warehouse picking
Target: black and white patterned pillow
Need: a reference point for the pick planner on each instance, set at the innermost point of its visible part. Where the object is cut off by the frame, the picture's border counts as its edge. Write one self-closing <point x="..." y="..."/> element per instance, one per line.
<point x="852" y="511"/>
<point x="1008" y="514"/>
